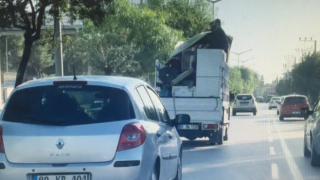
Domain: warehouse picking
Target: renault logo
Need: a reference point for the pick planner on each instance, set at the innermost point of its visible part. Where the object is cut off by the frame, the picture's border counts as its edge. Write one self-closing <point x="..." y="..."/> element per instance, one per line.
<point x="60" y="144"/>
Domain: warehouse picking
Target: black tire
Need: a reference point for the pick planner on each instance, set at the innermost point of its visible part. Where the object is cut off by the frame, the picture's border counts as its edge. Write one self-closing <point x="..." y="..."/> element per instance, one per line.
<point x="277" y="112"/>
<point x="315" y="158"/>
<point x="306" y="151"/>
<point x="255" y="113"/>
<point x="225" y="137"/>
<point x="234" y="113"/>
<point x="281" y="118"/>
<point x="179" y="168"/>
<point x="270" y="108"/>
<point x="220" y="138"/>
<point x="155" y="173"/>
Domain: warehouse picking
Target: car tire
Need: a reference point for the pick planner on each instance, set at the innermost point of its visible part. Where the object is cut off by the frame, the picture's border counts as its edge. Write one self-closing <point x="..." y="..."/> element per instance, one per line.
<point x="155" y="173"/>
<point x="179" y="168"/>
<point x="270" y="108"/>
<point x="225" y="137"/>
<point x="315" y="158"/>
<point x="220" y="138"/>
<point x="306" y="151"/>
<point x="255" y="113"/>
<point x="277" y="112"/>
<point x="281" y="118"/>
<point x="234" y="113"/>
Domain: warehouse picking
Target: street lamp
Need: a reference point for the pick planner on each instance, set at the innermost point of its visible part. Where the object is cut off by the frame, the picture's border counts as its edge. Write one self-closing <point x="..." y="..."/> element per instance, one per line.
<point x="213" y="2"/>
<point x="238" y="54"/>
<point x="246" y="61"/>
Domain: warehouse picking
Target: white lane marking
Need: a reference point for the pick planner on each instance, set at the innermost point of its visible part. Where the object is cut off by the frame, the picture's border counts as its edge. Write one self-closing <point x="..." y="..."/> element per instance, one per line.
<point x="272" y="152"/>
<point x="270" y="139"/>
<point x="293" y="167"/>
<point x="274" y="171"/>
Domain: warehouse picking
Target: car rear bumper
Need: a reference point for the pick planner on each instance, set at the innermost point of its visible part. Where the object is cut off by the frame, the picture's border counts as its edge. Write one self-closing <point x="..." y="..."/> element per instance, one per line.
<point x="105" y="170"/>
<point x="292" y="115"/>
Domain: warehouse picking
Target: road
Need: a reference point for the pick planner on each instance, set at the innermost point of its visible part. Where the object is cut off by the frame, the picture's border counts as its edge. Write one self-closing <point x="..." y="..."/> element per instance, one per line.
<point x="259" y="147"/>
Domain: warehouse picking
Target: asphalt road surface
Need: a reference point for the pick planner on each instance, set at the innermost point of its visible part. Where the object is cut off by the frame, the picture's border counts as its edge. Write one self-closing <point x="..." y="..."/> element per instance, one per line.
<point x="259" y="147"/>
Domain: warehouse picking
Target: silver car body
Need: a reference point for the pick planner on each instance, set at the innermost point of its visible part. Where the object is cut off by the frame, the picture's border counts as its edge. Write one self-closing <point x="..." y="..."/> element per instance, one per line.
<point x="279" y="104"/>
<point x="32" y="149"/>
<point x="274" y="102"/>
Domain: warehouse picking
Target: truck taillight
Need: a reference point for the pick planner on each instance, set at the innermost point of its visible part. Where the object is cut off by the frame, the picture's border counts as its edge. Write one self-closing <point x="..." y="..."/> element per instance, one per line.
<point x="1" y="141"/>
<point x="210" y="126"/>
<point x="132" y="135"/>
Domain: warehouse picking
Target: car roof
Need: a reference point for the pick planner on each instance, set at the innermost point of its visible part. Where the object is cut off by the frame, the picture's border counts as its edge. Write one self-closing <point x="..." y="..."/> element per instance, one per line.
<point x="295" y="96"/>
<point x="113" y="81"/>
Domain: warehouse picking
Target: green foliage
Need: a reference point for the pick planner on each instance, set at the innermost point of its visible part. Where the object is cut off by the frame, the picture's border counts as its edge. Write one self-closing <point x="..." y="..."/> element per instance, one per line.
<point x="284" y="87"/>
<point x="306" y="75"/>
<point x="189" y="17"/>
<point x="243" y="80"/>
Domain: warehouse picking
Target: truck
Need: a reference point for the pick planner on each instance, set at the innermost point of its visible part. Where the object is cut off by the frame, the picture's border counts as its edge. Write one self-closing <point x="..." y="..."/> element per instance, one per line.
<point x="195" y="81"/>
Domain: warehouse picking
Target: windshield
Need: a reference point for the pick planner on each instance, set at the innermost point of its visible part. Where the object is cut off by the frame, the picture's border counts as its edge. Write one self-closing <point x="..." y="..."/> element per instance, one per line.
<point x="295" y="100"/>
<point x="244" y="97"/>
<point x="55" y="105"/>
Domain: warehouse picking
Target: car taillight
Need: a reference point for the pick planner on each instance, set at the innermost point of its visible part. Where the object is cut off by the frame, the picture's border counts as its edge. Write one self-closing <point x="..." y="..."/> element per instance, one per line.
<point x="132" y="135"/>
<point x="1" y="141"/>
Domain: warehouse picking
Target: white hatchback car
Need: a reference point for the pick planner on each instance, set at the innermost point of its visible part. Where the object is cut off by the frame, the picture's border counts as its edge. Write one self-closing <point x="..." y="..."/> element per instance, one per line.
<point x="244" y="103"/>
<point x="46" y="132"/>
<point x="274" y="102"/>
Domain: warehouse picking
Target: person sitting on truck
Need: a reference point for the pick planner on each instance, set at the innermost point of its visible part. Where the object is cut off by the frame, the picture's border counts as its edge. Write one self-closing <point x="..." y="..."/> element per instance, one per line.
<point x="217" y="39"/>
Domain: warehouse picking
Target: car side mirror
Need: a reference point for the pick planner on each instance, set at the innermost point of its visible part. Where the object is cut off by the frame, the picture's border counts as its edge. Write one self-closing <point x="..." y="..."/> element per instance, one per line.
<point x="181" y="119"/>
<point x="306" y="111"/>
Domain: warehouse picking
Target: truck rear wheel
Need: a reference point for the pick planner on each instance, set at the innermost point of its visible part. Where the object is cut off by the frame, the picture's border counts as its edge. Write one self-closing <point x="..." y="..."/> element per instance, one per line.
<point x="220" y="138"/>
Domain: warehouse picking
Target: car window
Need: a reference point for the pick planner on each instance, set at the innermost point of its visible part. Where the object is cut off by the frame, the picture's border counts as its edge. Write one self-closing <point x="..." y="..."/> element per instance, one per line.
<point x="295" y="100"/>
<point x="244" y="97"/>
<point x="65" y="106"/>
<point x="159" y="106"/>
<point x="317" y="106"/>
<point x="148" y="105"/>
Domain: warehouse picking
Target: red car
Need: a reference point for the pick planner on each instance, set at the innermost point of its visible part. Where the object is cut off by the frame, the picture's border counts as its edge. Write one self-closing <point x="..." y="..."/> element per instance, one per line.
<point x="291" y="106"/>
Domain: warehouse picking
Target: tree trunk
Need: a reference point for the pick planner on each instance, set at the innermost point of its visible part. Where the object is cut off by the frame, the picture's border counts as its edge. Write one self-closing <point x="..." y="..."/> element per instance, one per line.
<point x="28" y="42"/>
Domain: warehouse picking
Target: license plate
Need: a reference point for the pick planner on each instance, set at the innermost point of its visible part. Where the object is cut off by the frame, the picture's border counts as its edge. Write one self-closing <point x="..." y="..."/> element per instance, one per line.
<point x="61" y="177"/>
<point x="189" y="126"/>
<point x="296" y="112"/>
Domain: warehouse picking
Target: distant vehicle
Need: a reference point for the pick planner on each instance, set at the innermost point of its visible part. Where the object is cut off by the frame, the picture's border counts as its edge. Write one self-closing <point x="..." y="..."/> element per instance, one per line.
<point x="311" y="131"/>
<point x="279" y="104"/>
<point x="291" y="106"/>
<point x="274" y="102"/>
<point x="268" y="98"/>
<point x="260" y="99"/>
<point x="244" y="103"/>
<point x="132" y="136"/>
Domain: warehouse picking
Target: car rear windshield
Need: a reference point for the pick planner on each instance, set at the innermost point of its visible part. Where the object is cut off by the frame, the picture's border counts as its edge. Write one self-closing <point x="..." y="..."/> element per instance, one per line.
<point x="68" y="105"/>
<point x="244" y="97"/>
<point x="295" y="100"/>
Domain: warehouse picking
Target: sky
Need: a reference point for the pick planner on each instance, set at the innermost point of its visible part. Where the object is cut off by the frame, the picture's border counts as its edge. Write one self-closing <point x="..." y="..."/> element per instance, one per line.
<point x="271" y="28"/>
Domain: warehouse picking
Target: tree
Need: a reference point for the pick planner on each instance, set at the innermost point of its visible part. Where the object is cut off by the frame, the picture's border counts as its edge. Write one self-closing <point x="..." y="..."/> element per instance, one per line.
<point x="28" y="16"/>
<point x="236" y="84"/>
<point x="189" y="17"/>
<point x="306" y="75"/>
<point x="284" y="87"/>
<point x="243" y="80"/>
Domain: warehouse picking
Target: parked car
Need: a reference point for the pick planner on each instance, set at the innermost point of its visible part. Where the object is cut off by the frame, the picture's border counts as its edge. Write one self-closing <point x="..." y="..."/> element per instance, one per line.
<point x="43" y="135"/>
<point x="260" y="99"/>
<point x="291" y="106"/>
<point x="279" y="104"/>
<point x="268" y="98"/>
<point x="244" y="103"/>
<point x="311" y="147"/>
<point x="274" y="102"/>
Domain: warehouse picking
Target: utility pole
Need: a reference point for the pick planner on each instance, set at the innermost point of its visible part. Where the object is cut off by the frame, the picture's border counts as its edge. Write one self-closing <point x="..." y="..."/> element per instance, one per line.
<point x="238" y="54"/>
<point x="58" y="39"/>
<point x="7" y="53"/>
<point x="310" y="40"/>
